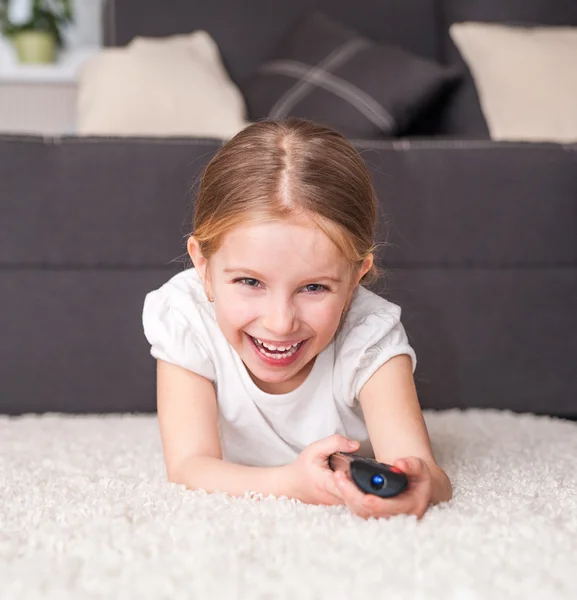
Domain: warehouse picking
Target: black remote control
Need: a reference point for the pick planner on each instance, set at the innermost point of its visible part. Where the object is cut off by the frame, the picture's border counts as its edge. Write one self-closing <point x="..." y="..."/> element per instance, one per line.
<point x="368" y="475"/>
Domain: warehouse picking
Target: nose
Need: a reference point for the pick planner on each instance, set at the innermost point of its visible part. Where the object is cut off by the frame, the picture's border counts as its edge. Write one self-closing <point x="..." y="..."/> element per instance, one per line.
<point x="280" y="317"/>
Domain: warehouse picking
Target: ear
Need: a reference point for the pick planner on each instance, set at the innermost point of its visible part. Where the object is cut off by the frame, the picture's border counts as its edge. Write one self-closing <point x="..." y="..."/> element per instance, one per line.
<point x="197" y="257"/>
<point x="367" y="264"/>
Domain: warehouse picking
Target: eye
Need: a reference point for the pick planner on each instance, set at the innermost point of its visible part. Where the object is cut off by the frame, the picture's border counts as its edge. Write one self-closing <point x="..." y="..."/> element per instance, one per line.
<point x="315" y="288"/>
<point x="248" y="281"/>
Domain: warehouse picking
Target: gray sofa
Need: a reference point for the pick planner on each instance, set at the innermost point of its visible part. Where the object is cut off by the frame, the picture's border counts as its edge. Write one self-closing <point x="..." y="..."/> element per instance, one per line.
<point x="482" y="236"/>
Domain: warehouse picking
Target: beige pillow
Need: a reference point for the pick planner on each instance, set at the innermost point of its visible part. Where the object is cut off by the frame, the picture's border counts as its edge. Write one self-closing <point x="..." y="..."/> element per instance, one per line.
<point x="175" y="86"/>
<point x="526" y="79"/>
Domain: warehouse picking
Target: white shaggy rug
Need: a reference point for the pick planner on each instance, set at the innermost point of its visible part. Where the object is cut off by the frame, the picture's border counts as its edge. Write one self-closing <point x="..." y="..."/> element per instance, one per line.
<point x="85" y="512"/>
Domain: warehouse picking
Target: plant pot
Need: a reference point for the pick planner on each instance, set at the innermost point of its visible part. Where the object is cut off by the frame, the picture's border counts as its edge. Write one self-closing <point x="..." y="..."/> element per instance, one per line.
<point x="35" y="46"/>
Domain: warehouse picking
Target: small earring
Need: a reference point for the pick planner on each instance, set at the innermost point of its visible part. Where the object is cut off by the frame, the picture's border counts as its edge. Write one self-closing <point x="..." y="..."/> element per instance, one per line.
<point x="210" y="298"/>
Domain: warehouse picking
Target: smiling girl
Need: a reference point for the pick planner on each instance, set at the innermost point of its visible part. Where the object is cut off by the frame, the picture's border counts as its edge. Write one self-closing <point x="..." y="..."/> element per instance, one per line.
<point x="271" y="355"/>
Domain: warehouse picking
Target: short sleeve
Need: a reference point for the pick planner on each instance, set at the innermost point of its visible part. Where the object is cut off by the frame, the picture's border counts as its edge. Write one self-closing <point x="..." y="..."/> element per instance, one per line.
<point x="173" y="335"/>
<point x="369" y="344"/>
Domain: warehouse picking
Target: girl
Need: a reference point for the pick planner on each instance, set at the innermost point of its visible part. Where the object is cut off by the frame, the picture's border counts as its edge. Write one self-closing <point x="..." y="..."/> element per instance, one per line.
<point x="270" y="354"/>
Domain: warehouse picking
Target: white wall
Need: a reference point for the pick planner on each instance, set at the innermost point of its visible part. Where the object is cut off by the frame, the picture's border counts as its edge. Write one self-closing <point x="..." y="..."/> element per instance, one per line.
<point x="86" y="29"/>
<point x="34" y="102"/>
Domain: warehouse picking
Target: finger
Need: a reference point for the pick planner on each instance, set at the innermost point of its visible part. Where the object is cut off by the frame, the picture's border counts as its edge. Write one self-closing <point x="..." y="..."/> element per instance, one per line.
<point x="367" y="505"/>
<point x="412" y="501"/>
<point x="331" y="500"/>
<point x="349" y="491"/>
<point x="361" y="504"/>
<point x="333" y="491"/>
<point x="414" y="468"/>
<point x="402" y="504"/>
<point x="330" y="486"/>
<point x="353" y="494"/>
<point x="334" y="443"/>
<point x="419" y="475"/>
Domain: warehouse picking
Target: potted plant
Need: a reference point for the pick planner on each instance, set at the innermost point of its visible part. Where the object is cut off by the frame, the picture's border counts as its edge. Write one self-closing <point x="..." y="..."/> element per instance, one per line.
<point x="35" y="27"/>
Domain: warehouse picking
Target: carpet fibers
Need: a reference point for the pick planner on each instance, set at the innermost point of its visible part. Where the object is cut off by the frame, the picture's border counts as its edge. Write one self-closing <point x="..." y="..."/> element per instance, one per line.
<point x="86" y="512"/>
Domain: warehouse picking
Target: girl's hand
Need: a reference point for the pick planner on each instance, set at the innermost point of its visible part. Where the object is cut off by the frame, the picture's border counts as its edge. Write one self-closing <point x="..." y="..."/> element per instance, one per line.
<point x="413" y="501"/>
<point x="311" y="480"/>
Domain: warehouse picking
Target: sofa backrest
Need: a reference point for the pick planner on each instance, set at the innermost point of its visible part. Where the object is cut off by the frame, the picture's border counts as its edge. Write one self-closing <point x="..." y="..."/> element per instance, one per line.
<point x="246" y="32"/>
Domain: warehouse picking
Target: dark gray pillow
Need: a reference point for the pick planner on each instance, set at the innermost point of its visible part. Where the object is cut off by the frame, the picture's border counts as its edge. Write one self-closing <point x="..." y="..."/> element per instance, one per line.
<point x="328" y="73"/>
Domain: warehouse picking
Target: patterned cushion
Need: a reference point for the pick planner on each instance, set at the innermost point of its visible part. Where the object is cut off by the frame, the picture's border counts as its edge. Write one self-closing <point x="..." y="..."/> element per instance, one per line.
<point x="328" y="73"/>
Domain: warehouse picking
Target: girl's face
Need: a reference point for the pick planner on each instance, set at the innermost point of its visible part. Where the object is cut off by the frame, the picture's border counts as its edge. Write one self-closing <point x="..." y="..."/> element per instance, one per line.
<point x="279" y="291"/>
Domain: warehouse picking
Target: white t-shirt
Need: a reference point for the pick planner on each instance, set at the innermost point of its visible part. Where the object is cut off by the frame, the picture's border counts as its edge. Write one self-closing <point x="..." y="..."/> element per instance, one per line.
<point x="261" y="429"/>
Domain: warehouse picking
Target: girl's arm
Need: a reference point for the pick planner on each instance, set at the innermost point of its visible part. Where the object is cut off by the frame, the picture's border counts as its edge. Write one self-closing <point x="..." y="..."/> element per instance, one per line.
<point x="395" y="422"/>
<point x="188" y="417"/>
<point x="215" y="475"/>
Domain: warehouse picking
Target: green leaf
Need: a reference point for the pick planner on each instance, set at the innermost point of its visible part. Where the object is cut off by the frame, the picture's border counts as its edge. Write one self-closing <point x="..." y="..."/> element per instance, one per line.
<point x="44" y="18"/>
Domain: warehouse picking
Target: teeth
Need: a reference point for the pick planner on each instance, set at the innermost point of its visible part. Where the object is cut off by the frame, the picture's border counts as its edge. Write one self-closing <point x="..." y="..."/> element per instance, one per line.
<point x="278" y="348"/>
<point x="282" y="351"/>
<point x="278" y="356"/>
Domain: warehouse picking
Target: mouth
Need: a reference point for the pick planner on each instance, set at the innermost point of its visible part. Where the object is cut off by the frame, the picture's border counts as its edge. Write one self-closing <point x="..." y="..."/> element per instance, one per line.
<point x="280" y="354"/>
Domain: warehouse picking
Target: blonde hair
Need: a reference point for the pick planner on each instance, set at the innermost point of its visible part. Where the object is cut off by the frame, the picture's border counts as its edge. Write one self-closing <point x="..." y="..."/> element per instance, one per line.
<point x="277" y="169"/>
